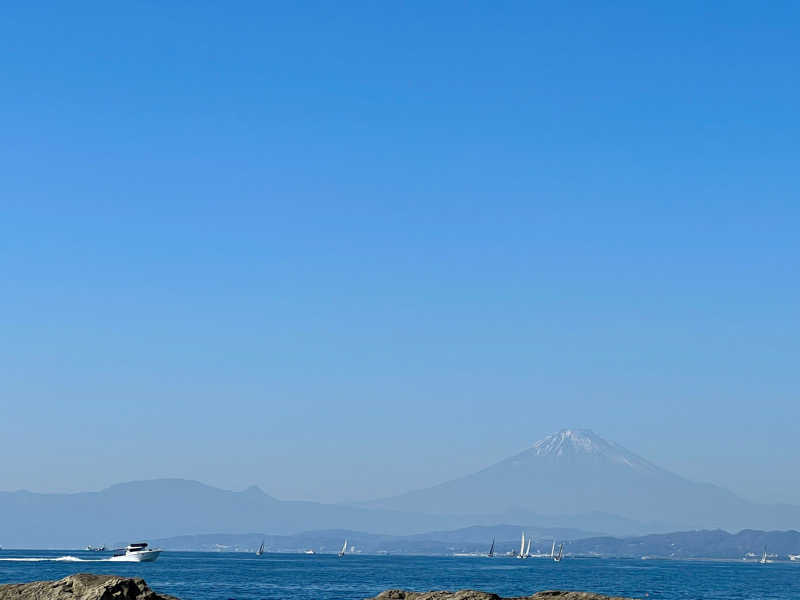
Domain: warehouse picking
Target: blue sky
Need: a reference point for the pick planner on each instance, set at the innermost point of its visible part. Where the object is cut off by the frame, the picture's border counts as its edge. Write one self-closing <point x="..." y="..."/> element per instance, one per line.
<point x="341" y="251"/>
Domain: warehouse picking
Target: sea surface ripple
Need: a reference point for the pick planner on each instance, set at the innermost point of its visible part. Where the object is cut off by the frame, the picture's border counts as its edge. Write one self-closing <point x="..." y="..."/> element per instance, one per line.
<point x="239" y="576"/>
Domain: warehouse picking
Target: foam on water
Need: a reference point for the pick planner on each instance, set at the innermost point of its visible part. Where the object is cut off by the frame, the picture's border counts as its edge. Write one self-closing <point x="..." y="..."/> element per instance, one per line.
<point x="20" y="559"/>
<point x="67" y="558"/>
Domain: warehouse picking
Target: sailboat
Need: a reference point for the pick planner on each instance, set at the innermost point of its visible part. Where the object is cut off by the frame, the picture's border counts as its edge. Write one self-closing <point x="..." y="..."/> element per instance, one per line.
<point x="260" y="550"/>
<point x="491" y="550"/>
<point x="763" y="560"/>
<point x="343" y="550"/>
<point x="522" y="547"/>
<point x="560" y="555"/>
<point x="528" y="549"/>
<point x="553" y="550"/>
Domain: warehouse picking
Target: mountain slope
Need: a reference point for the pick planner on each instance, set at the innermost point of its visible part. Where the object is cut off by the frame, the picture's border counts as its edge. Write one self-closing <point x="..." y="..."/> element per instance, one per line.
<point x="173" y="507"/>
<point x="571" y="480"/>
<point x="682" y="544"/>
<point x="694" y="544"/>
<point x="576" y="472"/>
<point x="470" y="539"/>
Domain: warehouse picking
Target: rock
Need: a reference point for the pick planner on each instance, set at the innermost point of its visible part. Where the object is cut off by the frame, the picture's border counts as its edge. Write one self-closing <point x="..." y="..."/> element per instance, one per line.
<point x="574" y="596"/>
<point x="83" y="586"/>
<point x="475" y="595"/>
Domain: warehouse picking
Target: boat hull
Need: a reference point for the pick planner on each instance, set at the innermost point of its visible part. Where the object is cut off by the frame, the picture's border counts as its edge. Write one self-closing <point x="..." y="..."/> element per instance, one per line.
<point x="144" y="556"/>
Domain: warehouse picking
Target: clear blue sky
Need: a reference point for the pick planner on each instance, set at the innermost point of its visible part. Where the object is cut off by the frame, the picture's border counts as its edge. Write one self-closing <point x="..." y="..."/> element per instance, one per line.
<point x="343" y="250"/>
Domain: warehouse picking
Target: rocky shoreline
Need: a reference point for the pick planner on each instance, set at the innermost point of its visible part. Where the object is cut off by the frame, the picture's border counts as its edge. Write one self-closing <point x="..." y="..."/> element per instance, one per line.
<point x="86" y="586"/>
<point x="476" y="595"/>
<point x="83" y="586"/>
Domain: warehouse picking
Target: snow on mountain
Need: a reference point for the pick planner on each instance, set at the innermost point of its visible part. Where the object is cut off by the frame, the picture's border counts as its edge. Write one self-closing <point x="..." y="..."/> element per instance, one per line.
<point x="572" y="442"/>
<point x="577" y="472"/>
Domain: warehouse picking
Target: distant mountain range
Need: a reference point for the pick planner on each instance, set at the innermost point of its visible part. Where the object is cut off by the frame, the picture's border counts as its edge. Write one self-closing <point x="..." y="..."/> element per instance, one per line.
<point x="468" y="539"/>
<point x="694" y="544"/>
<point x="476" y="540"/>
<point x="576" y="472"/>
<point x="573" y="481"/>
<point x="171" y="507"/>
<point x="174" y="507"/>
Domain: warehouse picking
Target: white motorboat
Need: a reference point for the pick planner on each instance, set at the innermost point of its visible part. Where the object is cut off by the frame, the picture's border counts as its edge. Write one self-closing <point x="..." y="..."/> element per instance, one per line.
<point x="309" y="552"/>
<point x="137" y="553"/>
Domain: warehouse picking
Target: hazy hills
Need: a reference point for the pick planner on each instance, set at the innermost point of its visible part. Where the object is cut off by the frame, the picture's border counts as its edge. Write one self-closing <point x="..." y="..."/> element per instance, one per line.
<point x="693" y="544"/>
<point x="172" y="507"/>
<point x="678" y="545"/>
<point x="576" y="472"/>
<point x="468" y="539"/>
<point x="573" y="481"/>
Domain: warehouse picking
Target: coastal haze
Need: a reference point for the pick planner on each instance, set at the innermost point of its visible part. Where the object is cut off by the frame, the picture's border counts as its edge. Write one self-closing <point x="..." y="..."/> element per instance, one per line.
<point x="343" y="253"/>
<point x="401" y="278"/>
<point x="570" y="485"/>
<point x="578" y="473"/>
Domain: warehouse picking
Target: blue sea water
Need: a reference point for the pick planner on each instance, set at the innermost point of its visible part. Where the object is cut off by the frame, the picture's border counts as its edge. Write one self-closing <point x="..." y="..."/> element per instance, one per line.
<point x="221" y="576"/>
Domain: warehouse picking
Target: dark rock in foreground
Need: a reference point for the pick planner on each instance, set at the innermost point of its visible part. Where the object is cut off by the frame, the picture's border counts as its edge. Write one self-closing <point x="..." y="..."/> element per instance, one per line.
<point x="475" y="595"/>
<point x="83" y="586"/>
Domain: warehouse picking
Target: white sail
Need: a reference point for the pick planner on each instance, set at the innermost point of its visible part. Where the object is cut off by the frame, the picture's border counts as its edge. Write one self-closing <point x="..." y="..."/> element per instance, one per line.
<point x="560" y="555"/>
<point x="528" y="549"/>
<point x="344" y="549"/>
<point x="553" y="550"/>
<point x="522" y="546"/>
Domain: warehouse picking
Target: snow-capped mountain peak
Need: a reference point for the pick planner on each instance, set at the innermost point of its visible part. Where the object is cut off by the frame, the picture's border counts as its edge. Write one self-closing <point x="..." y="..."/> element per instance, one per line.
<point x="569" y="441"/>
<point x="576" y="472"/>
<point x="577" y="442"/>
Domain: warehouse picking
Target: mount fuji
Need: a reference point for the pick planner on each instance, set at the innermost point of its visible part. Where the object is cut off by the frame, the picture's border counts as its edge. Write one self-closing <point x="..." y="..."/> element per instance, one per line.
<point x="577" y="474"/>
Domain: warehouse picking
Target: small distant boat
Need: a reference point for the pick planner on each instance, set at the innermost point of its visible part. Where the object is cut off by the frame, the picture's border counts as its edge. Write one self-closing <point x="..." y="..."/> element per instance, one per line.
<point x="522" y="547"/>
<point x="137" y="553"/>
<point x="491" y="549"/>
<point x="309" y="552"/>
<point x="343" y="550"/>
<point x="96" y="548"/>
<point x="791" y="556"/>
<point x="260" y="550"/>
<point x="560" y="555"/>
<point x="763" y="560"/>
<point x="528" y="549"/>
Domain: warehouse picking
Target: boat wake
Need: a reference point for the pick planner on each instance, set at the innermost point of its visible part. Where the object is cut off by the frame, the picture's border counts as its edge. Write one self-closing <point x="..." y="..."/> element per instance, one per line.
<point x="67" y="558"/>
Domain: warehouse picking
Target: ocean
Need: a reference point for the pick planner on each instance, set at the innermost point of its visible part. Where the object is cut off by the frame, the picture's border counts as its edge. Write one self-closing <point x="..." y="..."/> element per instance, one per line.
<point x="238" y="576"/>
